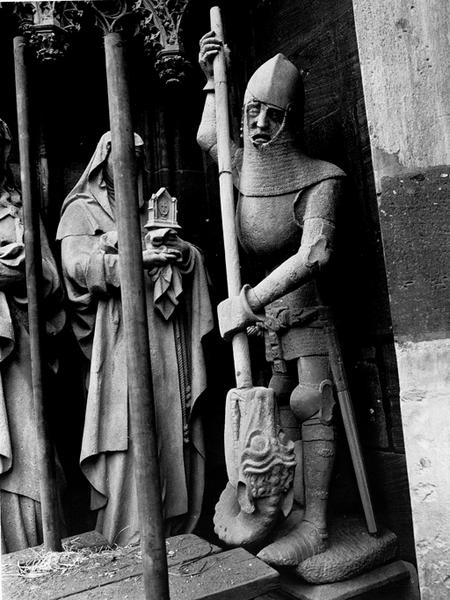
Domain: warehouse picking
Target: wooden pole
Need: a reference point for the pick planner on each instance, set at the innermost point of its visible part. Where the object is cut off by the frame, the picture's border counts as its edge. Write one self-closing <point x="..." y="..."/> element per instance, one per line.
<point x="241" y="353"/>
<point x="33" y="268"/>
<point x="134" y="314"/>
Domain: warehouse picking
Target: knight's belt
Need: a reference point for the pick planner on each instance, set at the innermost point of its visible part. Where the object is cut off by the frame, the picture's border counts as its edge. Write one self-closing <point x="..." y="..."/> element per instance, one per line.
<point x="282" y="318"/>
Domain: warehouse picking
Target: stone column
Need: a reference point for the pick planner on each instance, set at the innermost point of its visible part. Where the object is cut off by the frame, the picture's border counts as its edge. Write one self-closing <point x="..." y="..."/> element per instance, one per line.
<point x="404" y="50"/>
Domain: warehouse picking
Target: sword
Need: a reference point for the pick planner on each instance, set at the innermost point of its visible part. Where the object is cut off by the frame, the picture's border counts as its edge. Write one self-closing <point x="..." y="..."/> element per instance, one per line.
<point x="348" y="415"/>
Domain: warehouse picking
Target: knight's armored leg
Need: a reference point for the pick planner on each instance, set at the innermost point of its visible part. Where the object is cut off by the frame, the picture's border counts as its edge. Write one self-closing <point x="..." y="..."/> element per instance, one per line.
<point x="316" y="392"/>
<point x="312" y="404"/>
<point x="283" y="382"/>
<point x="318" y="460"/>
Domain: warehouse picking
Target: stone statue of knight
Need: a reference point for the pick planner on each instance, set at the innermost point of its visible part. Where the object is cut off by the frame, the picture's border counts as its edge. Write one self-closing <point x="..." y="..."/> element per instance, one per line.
<point x="286" y="218"/>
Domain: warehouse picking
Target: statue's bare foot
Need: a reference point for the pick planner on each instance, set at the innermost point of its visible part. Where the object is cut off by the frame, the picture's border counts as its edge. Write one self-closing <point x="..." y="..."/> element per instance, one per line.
<point x="300" y="543"/>
<point x="238" y="528"/>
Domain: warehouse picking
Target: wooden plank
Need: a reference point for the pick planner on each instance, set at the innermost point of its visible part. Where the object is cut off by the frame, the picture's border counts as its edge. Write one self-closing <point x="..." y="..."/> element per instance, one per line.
<point x="232" y="575"/>
<point x="97" y="570"/>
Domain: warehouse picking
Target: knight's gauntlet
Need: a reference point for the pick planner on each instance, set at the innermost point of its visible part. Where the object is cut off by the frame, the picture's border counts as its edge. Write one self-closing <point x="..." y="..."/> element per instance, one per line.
<point x="235" y="314"/>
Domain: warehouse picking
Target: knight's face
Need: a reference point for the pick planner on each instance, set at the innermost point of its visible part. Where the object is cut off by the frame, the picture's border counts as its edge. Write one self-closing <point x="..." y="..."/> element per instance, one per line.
<point x="264" y="121"/>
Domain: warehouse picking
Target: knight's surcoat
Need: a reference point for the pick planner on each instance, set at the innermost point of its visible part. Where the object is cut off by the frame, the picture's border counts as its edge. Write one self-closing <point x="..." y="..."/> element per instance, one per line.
<point x="270" y="228"/>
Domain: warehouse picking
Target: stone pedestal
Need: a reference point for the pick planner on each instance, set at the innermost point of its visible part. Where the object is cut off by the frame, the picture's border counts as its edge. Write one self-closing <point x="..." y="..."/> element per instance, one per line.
<point x="352" y="551"/>
<point x="395" y="581"/>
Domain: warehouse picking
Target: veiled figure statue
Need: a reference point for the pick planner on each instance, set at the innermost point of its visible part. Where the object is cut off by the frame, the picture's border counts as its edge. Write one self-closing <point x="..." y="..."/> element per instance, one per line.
<point x="21" y="524"/>
<point x="285" y="218"/>
<point x="179" y="316"/>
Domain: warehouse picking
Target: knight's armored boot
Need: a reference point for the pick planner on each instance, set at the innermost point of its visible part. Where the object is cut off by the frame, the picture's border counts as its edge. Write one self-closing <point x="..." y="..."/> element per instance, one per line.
<point x="309" y="537"/>
<point x="312" y="404"/>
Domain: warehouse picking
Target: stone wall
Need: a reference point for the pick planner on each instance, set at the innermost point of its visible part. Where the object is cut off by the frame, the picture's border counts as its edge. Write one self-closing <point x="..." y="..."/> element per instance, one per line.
<point x="404" y="50"/>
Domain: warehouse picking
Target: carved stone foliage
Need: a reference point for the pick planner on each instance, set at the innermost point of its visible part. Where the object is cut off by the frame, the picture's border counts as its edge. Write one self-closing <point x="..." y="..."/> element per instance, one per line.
<point x="172" y="68"/>
<point x="48" y="25"/>
<point x="160" y="27"/>
<point x="161" y="23"/>
<point x="157" y="22"/>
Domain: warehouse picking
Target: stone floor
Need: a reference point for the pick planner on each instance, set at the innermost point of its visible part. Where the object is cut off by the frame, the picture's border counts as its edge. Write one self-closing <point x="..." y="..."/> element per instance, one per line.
<point x="198" y="570"/>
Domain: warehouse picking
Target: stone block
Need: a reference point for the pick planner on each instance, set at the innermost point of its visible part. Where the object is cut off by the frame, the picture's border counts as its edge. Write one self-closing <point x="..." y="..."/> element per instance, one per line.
<point x="351" y="551"/>
<point x="395" y="581"/>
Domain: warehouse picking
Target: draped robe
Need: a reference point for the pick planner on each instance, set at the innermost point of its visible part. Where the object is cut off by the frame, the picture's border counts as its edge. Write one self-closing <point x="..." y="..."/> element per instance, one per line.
<point x="19" y="461"/>
<point x="178" y="369"/>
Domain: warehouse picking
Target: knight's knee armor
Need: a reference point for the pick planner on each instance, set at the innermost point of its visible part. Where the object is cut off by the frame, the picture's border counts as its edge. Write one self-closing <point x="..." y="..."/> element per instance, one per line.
<point x="313" y="399"/>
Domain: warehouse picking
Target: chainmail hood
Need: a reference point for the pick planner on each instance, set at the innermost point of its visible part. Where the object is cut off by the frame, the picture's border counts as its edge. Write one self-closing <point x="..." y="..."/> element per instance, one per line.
<point x="279" y="166"/>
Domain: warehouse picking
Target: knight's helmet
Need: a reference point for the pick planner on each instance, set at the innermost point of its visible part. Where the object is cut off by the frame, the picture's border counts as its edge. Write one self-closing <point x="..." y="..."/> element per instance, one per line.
<point x="277" y="83"/>
<point x="272" y="168"/>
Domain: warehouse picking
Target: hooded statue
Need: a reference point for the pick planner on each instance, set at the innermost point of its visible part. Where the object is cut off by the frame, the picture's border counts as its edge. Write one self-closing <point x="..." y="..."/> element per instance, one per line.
<point x="179" y="316"/>
<point x="286" y="219"/>
<point x="21" y="524"/>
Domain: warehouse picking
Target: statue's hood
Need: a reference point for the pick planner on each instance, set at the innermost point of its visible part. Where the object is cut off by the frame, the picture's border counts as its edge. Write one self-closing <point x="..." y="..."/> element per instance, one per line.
<point x="91" y="181"/>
